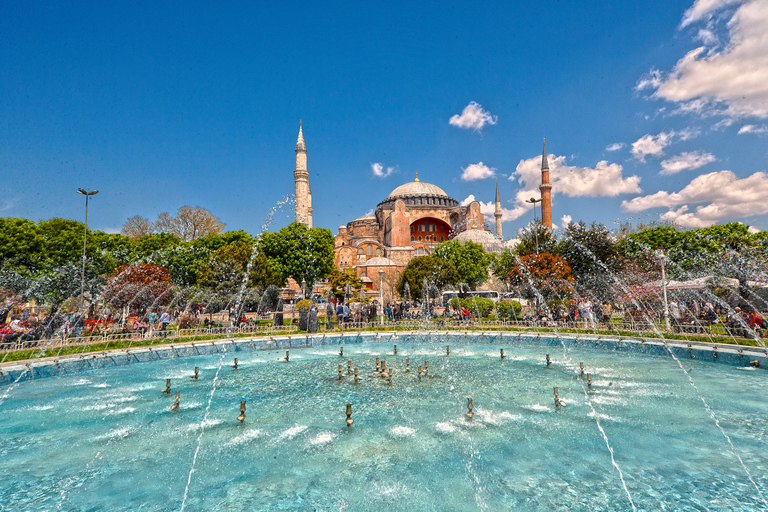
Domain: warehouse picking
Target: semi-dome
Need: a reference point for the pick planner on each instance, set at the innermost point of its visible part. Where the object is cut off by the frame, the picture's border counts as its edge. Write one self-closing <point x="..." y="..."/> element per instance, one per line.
<point x="417" y="188"/>
<point x="489" y="241"/>
<point x="378" y="261"/>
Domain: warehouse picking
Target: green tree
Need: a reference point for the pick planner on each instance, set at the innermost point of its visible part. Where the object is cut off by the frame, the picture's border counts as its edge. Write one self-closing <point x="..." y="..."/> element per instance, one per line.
<point x="21" y="244"/>
<point x="591" y="252"/>
<point x="146" y="245"/>
<point x="300" y="253"/>
<point x="216" y="241"/>
<point x="502" y="263"/>
<point x="537" y="238"/>
<point x="469" y="259"/>
<point x="339" y="281"/>
<point x="436" y="271"/>
<point x="63" y="242"/>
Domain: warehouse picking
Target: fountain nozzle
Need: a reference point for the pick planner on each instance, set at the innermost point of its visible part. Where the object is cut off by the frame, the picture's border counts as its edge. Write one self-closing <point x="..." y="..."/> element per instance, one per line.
<point x="175" y="406"/>
<point x="426" y="368"/>
<point x="350" y="421"/>
<point x="349" y="367"/>
<point x="470" y="412"/>
<point x="241" y="418"/>
<point x="447" y="350"/>
<point x="234" y="366"/>
<point x="167" y="389"/>
<point x="341" y="351"/>
<point x="589" y="381"/>
<point x="407" y="365"/>
<point x="581" y="366"/>
<point x="549" y="362"/>
<point x="558" y="402"/>
<point x="340" y="374"/>
<point x="357" y="379"/>
<point x="502" y="354"/>
<point x="197" y="371"/>
<point x="287" y="356"/>
<point x="395" y="349"/>
<point x="389" y="376"/>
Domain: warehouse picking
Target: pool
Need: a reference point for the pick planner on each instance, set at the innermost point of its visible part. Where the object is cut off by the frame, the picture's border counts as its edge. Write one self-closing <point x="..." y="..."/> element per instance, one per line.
<point x="105" y="439"/>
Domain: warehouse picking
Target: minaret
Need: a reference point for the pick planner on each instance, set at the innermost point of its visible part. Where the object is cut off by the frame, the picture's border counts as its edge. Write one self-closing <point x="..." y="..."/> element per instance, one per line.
<point x="498" y="213"/>
<point x="301" y="177"/>
<point x="546" y="190"/>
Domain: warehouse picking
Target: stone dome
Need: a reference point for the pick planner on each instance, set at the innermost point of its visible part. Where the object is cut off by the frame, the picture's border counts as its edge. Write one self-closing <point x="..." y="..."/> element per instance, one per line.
<point x="378" y="261"/>
<point x="488" y="240"/>
<point x="417" y="188"/>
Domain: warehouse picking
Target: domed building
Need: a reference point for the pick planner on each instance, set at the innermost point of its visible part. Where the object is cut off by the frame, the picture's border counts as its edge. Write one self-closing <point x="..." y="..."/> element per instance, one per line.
<point x="412" y="220"/>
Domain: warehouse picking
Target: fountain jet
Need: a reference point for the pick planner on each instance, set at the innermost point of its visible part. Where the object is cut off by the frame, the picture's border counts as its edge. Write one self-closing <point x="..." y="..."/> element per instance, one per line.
<point x="175" y="406"/>
<point x="241" y="418"/>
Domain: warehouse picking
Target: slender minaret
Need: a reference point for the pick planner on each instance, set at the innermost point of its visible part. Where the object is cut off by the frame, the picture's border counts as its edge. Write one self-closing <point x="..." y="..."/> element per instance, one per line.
<point x="301" y="177"/>
<point x="498" y="213"/>
<point x="546" y="190"/>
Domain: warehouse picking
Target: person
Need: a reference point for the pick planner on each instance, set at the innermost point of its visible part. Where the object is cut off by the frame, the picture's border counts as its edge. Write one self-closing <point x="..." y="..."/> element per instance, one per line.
<point x="586" y="312"/>
<point x="165" y="319"/>
<point x="340" y="313"/>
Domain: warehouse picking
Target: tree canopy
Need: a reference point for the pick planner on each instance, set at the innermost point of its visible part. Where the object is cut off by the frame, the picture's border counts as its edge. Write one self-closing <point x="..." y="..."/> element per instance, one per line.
<point x="300" y="253"/>
<point x="437" y="272"/>
<point x="469" y="259"/>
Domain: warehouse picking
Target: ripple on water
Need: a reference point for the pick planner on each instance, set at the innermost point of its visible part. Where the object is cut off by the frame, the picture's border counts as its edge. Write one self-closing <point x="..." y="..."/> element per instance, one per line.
<point x="321" y="439"/>
<point x="402" y="431"/>
<point x="248" y="435"/>
<point x="292" y="432"/>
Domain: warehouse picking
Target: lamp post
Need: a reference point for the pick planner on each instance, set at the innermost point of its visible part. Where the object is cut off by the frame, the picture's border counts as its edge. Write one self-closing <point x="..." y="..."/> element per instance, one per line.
<point x="533" y="201"/>
<point x="381" y="293"/>
<point x="85" y="235"/>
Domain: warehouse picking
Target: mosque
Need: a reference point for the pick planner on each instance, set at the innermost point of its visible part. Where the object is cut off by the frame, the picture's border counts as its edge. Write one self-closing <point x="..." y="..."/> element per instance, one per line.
<point x="411" y="221"/>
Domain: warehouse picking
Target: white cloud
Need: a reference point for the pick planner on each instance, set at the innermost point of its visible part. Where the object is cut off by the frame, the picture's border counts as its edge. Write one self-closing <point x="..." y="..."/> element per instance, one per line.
<point x="652" y="145"/>
<point x="473" y="116"/>
<point x="753" y="229"/>
<point x="379" y="171"/>
<point x="478" y="171"/>
<point x="565" y="220"/>
<point x="603" y="180"/>
<point x="489" y="208"/>
<point x="615" y="147"/>
<point x="720" y="195"/>
<point x="732" y="81"/>
<point x="751" y="128"/>
<point x="702" y="8"/>
<point x="686" y="161"/>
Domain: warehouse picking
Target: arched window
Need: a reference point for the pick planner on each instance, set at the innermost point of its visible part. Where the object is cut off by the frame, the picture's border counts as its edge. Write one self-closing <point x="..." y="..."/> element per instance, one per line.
<point x="413" y="239"/>
<point x="442" y="239"/>
<point x="378" y="251"/>
<point x="419" y="238"/>
<point x="369" y="250"/>
<point x="360" y="251"/>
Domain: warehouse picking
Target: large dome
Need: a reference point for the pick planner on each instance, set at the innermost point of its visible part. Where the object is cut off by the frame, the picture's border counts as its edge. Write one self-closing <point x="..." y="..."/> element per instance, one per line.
<point x="417" y="188"/>
<point x="489" y="241"/>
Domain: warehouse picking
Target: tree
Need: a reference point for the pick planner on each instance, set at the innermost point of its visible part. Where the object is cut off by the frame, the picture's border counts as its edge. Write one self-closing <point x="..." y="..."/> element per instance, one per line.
<point x="542" y="276"/>
<point x="216" y="241"/>
<point x="469" y="259"/>
<point x="436" y="271"/>
<point x="136" y="227"/>
<point x="502" y="263"/>
<point x="21" y="244"/>
<point x="189" y="223"/>
<point x="339" y="281"/>
<point x="137" y="287"/>
<point x="300" y="253"/>
<point x="225" y="270"/>
<point x="63" y="241"/>
<point x="537" y="238"/>
<point x="591" y="253"/>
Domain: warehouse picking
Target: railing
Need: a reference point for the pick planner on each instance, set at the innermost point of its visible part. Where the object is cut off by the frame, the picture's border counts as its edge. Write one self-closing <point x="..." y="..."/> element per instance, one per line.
<point x="413" y="324"/>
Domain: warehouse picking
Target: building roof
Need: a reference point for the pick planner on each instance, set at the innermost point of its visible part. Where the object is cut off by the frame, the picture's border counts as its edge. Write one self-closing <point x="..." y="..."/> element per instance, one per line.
<point x="489" y="241"/>
<point x="417" y="188"/>
<point x="366" y="217"/>
<point x="378" y="261"/>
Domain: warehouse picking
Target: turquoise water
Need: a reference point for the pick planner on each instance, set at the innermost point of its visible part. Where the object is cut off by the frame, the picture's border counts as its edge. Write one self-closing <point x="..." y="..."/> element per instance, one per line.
<point x="105" y="439"/>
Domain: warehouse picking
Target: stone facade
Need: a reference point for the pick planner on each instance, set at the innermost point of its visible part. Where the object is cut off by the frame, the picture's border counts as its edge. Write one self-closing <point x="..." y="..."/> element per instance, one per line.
<point x="411" y="221"/>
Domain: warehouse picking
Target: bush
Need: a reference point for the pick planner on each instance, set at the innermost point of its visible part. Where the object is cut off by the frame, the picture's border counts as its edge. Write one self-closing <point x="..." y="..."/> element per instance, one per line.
<point x="304" y="305"/>
<point x="509" y="310"/>
<point x="478" y="306"/>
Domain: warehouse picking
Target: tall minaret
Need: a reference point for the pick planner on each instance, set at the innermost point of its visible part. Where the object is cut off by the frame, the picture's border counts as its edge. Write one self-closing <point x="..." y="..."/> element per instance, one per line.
<point x="301" y="177"/>
<point x="498" y="213"/>
<point x="546" y="190"/>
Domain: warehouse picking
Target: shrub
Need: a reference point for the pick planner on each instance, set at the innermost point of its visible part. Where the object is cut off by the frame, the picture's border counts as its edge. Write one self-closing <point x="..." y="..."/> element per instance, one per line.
<point x="508" y="310"/>
<point x="304" y="305"/>
<point x="478" y="306"/>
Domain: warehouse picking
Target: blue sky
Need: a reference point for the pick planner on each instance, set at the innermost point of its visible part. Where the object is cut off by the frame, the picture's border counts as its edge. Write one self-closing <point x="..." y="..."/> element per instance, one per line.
<point x="653" y="110"/>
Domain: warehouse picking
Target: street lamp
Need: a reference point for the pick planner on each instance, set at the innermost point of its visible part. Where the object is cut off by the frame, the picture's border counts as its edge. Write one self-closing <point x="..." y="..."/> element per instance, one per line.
<point x="381" y="293"/>
<point x="533" y="201"/>
<point x="85" y="235"/>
